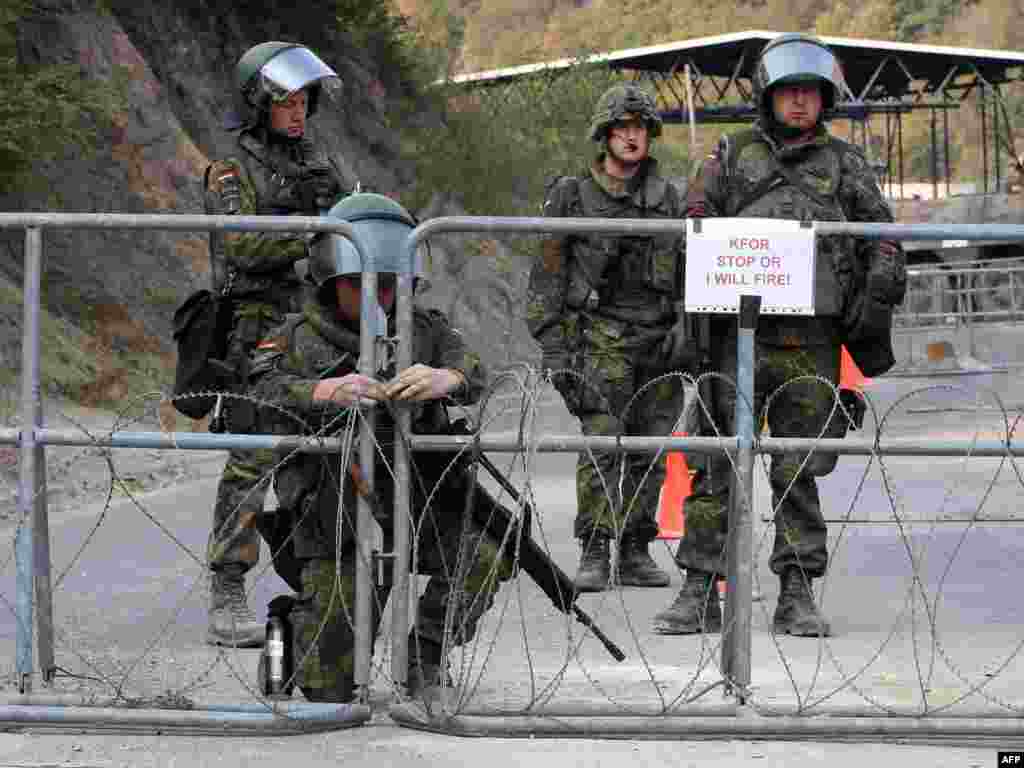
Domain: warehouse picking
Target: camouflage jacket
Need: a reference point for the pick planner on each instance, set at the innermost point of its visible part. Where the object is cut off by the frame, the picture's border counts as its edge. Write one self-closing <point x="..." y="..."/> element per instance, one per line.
<point x="286" y="368"/>
<point x="742" y="178"/>
<point x="277" y="177"/>
<point x="636" y="280"/>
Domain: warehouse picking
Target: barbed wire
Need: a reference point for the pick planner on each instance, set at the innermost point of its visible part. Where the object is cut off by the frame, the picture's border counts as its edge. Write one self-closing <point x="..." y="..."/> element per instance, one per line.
<point x="519" y="655"/>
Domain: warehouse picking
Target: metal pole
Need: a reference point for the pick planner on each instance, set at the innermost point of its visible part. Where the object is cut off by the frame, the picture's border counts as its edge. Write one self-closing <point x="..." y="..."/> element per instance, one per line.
<point x="996" y="148"/>
<point x="984" y="138"/>
<point x="945" y="145"/>
<point x="740" y="567"/>
<point x="899" y="134"/>
<point x="364" y="629"/>
<point x="689" y="109"/>
<point x="888" y="151"/>
<point x="30" y="399"/>
<point x="935" y="158"/>
<point x="41" y="518"/>
<point x="403" y="519"/>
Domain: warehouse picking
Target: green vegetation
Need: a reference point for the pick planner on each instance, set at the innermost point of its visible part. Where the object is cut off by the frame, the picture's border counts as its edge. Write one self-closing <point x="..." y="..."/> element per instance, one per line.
<point x="493" y="149"/>
<point x="42" y="107"/>
<point x="75" y="364"/>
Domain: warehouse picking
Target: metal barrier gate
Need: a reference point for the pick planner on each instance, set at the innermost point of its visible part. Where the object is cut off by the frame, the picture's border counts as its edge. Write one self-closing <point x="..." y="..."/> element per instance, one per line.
<point x="706" y="722"/>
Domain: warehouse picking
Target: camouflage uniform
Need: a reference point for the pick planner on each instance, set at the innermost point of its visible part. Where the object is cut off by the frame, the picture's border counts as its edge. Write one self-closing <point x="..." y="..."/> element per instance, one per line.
<point x="787" y="347"/>
<point x="320" y="555"/>
<point x="602" y="351"/>
<point x="277" y="177"/>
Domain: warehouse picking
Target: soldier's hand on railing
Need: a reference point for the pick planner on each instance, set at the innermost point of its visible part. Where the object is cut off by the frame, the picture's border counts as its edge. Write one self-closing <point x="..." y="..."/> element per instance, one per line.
<point x="349" y="390"/>
<point x="421" y="382"/>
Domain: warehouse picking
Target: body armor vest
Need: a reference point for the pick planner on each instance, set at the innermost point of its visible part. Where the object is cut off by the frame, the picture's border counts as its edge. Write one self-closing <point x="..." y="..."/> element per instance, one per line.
<point x="289" y="178"/>
<point x="634" y="279"/>
<point x="758" y="189"/>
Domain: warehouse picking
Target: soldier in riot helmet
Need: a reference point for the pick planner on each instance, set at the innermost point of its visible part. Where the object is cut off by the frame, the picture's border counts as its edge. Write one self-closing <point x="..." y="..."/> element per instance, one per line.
<point x="277" y="170"/>
<point x="788" y="167"/>
<point x="607" y="312"/>
<point x="309" y="365"/>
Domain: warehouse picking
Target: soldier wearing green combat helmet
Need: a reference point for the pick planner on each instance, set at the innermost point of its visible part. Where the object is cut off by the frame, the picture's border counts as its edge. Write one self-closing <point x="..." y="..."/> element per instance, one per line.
<point x="309" y="365"/>
<point x="277" y="170"/>
<point x="607" y="312"/>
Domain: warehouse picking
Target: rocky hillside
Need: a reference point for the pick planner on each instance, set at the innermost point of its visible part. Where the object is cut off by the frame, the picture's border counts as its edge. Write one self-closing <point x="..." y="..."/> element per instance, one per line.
<point x="111" y="294"/>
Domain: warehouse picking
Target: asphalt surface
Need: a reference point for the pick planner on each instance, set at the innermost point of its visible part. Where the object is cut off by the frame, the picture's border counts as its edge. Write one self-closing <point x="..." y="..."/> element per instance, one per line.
<point x="922" y="593"/>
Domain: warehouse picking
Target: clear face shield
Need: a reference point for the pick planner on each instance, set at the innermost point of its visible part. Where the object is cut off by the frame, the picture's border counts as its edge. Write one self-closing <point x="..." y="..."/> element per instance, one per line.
<point x="800" y="60"/>
<point x="294" y="69"/>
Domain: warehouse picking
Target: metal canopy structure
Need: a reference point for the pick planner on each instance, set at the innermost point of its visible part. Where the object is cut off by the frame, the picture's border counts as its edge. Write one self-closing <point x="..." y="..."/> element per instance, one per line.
<point x="878" y="72"/>
<point x="711" y="76"/>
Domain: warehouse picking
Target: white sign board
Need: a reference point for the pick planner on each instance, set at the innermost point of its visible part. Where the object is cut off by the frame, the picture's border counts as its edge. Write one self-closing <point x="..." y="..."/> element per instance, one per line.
<point x="770" y="258"/>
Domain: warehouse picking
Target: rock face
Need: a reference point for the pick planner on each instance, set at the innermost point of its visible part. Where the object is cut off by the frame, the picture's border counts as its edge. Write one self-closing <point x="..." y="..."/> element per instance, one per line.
<point x="178" y="59"/>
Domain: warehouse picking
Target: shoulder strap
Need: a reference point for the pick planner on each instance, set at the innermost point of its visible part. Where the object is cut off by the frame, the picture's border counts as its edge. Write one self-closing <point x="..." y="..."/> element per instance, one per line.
<point x="572" y="183"/>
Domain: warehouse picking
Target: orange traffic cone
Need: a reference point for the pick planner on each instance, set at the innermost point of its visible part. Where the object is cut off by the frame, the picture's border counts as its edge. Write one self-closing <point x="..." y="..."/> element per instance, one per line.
<point x="850" y="376"/>
<point x="674" y="490"/>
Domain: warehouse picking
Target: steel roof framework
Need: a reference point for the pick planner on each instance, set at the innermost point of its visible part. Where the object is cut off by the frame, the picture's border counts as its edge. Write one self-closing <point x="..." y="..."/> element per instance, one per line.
<point x="883" y="78"/>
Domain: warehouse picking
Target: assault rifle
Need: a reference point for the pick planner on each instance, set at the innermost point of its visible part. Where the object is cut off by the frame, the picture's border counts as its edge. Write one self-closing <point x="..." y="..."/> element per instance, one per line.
<point x="498" y="520"/>
<point x="546" y="574"/>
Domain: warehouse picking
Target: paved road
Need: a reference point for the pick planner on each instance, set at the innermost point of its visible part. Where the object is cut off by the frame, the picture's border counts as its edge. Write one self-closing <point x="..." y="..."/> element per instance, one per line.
<point x="131" y="609"/>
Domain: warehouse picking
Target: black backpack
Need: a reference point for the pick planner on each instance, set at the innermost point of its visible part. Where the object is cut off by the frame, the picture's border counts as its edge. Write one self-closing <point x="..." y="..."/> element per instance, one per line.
<point x="201" y="328"/>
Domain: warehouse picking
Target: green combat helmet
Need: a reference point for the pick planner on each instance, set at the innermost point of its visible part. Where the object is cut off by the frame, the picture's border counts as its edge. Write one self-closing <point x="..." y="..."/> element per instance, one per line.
<point x="272" y="71"/>
<point x="382" y="226"/>
<point x="621" y="100"/>
<point x="797" y="58"/>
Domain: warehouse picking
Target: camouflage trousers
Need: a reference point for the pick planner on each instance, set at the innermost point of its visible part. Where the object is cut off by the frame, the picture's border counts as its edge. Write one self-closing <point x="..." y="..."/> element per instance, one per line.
<point x="615" y="388"/>
<point x="800" y="409"/>
<point x="234" y="539"/>
<point x="243" y="484"/>
<point x="465" y="572"/>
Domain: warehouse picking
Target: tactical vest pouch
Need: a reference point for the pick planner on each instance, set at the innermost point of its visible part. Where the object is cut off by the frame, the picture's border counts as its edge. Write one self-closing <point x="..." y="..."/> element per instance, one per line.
<point x="201" y="327"/>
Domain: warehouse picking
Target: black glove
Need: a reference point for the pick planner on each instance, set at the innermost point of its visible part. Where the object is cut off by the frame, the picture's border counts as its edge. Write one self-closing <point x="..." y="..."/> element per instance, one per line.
<point x="679" y="349"/>
<point x="318" y="189"/>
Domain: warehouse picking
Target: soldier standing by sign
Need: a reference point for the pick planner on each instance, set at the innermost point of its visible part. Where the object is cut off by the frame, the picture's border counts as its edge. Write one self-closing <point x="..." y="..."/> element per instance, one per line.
<point x="789" y="167"/>
<point x="607" y="312"/>
<point x="278" y="171"/>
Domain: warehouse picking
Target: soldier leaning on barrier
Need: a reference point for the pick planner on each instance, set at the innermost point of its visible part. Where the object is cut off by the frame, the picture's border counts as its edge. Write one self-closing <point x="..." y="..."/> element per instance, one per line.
<point x="789" y="167"/>
<point x="606" y="310"/>
<point x="309" y="365"/>
<point x="277" y="171"/>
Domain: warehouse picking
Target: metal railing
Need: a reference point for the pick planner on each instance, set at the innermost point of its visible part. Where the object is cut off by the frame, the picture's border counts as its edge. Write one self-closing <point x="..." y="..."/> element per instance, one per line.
<point x="959" y="302"/>
<point x="32" y="540"/>
<point x="33" y="600"/>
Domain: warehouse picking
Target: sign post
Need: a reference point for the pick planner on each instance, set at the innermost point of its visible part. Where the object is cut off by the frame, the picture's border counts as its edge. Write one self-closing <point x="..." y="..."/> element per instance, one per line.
<point x="746" y="267"/>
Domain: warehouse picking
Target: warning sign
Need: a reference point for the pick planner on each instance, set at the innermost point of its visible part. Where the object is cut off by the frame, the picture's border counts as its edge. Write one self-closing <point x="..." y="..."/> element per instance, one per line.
<point x="770" y="258"/>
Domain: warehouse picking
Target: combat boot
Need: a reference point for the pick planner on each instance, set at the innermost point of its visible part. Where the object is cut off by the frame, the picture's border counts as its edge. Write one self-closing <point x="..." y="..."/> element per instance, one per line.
<point x="232" y="621"/>
<point x="796" y="613"/>
<point x="595" y="565"/>
<point x="695" y="609"/>
<point x="636" y="568"/>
